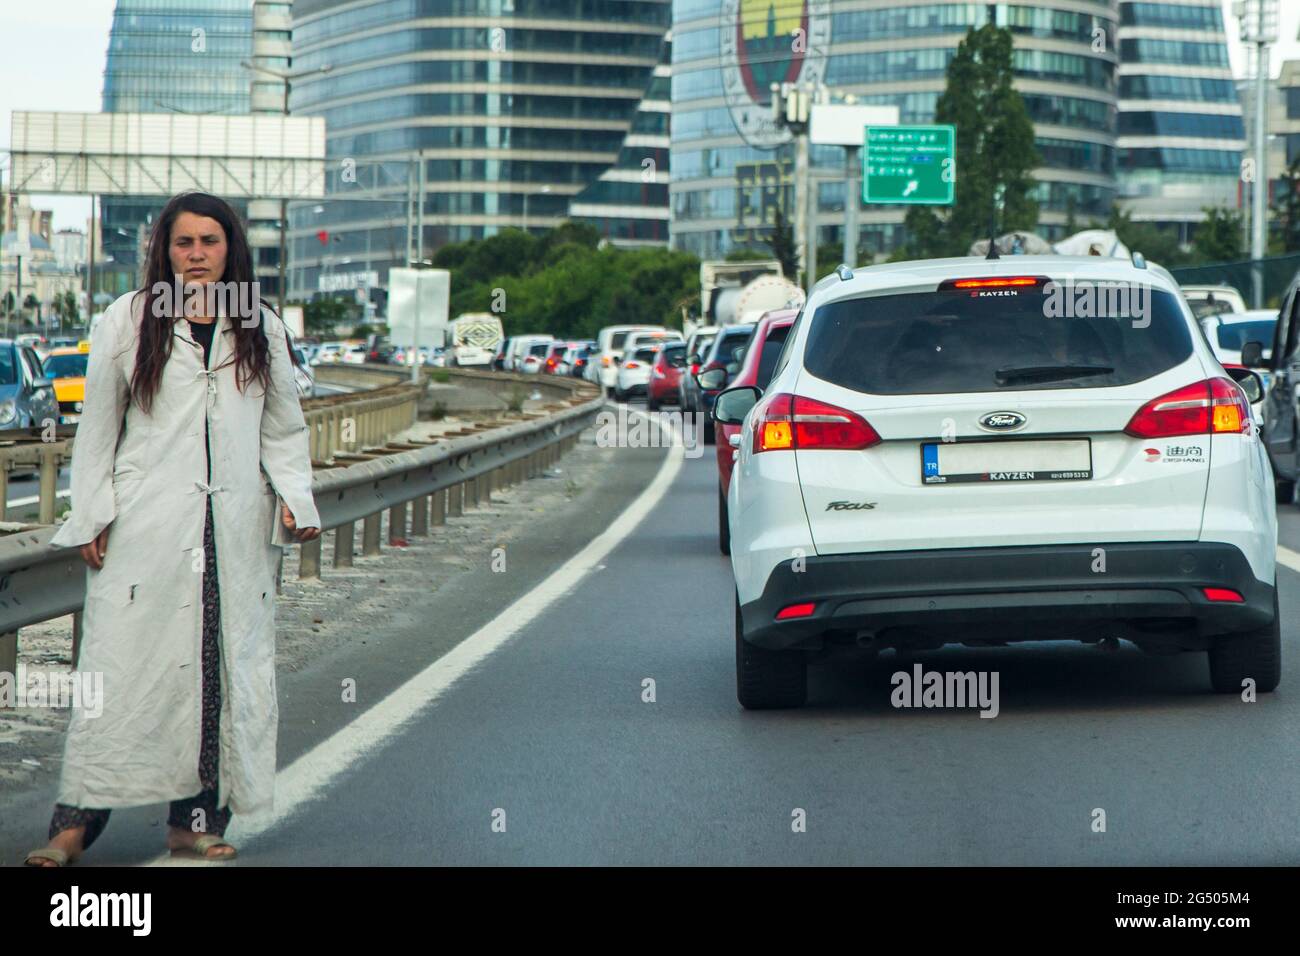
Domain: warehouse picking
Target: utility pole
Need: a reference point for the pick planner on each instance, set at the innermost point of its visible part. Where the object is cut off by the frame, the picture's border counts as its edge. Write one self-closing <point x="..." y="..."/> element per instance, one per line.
<point x="792" y="109"/>
<point x="1258" y="22"/>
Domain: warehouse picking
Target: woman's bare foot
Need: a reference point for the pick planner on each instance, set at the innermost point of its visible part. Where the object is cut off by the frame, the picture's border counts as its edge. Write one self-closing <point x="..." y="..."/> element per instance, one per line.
<point x="69" y="841"/>
<point x="178" y="839"/>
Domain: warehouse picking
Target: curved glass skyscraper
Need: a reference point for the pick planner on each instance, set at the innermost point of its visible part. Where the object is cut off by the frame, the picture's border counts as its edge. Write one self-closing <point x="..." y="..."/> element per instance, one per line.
<point x="518" y="106"/>
<point x="730" y="169"/>
<point x="170" y="56"/>
<point x="1181" y="134"/>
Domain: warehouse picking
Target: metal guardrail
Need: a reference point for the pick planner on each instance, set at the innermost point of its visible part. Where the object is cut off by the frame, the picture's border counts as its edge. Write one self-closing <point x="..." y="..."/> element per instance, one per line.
<point x="437" y="480"/>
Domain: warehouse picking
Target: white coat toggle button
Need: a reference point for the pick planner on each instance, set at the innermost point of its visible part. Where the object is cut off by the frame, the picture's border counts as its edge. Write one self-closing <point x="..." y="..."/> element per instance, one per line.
<point x="208" y="489"/>
<point x="212" y="379"/>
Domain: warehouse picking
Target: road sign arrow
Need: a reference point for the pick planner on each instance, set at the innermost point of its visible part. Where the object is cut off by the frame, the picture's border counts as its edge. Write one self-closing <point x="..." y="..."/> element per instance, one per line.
<point x="912" y="187"/>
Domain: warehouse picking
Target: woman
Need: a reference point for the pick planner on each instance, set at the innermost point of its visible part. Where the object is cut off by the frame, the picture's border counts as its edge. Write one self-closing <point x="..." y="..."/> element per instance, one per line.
<point x="191" y="443"/>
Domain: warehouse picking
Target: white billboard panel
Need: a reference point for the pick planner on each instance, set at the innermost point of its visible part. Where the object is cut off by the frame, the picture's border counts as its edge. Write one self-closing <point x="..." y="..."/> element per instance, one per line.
<point x="418" y="297"/>
<point x="160" y="154"/>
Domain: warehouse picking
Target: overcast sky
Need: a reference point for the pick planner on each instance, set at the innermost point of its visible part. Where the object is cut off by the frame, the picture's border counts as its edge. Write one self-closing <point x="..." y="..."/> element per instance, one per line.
<point x="53" y="59"/>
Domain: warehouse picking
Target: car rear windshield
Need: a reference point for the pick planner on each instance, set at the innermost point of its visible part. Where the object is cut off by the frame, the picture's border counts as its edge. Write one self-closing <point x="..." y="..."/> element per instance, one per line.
<point x="727" y="343"/>
<point x="616" y="340"/>
<point x="1237" y="334"/>
<point x="645" y="355"/>
<point x="964" y="341"/>
<point x="66" y="366"/>
<point x="772" y="346"/>
<point x="541" y="348"/>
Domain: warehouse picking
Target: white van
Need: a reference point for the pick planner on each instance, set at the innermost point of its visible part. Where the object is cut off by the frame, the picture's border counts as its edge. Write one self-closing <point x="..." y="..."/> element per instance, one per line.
<point x="475" y="338"/>
<point x="609" y="343"/>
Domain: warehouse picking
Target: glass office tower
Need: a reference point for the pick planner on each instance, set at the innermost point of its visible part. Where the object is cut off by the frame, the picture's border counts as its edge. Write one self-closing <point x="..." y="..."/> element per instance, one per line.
<point x="1180" y="124"/>
<point x="169" y="55"/>
<point x="518" y="105"/>
<point x="730" y="168"/>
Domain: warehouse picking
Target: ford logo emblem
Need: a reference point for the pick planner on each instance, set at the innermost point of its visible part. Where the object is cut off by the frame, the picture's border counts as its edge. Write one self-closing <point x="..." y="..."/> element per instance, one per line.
<point x="1002" y="421"/>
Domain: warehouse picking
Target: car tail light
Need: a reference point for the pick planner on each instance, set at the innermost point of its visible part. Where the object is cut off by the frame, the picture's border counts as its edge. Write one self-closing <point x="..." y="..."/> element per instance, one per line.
<point x="604" y="360"/>
<point x="1216" y="405"/>
<point x="794" y="421"/>
<point x="1223" y="594"/>
<point x="795" y="610"/>
<point x="632" y="365"/>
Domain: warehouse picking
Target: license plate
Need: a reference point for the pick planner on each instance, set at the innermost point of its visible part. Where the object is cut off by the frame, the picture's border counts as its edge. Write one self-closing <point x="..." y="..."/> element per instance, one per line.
<point x="1048" y="460"/>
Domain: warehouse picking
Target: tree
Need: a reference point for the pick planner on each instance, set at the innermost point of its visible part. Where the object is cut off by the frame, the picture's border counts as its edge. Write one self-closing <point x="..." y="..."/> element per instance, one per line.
<point x="746" y="254"/>
<point x="1156" y="245"/>
<point x="783" y="245"/>
<point x="1286" y="209"/>
<point x="1219" y="237"/>
<point x="995" y="151"/>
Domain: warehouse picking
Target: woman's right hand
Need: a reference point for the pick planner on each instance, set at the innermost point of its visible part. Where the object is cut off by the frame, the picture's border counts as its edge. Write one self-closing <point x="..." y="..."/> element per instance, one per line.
<point x="93" y="552"/>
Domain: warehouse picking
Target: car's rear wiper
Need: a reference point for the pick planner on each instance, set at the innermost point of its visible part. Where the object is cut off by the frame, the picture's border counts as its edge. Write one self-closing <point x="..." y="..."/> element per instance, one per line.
<point x="1047" y="373"/>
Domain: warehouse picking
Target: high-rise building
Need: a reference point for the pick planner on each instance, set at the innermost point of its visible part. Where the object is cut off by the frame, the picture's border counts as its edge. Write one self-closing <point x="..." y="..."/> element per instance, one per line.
<point x="1181" y="134"/>
<point x="181" y="56"/>
<point x="268" y="78"/>
<point x="731" y="167"/>
<point x="629" y="202"/>
<point x="519" y="106"/>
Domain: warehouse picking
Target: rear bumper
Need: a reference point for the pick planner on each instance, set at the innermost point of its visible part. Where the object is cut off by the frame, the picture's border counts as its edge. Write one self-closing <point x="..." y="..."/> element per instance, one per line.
<point x="1008" y="594"/>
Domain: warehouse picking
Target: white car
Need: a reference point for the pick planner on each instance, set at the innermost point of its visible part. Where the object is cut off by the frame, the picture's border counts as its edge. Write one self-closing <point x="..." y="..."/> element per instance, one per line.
<point x="303" y="376"/>
<point x="519" y="346"/>
<point x="533" y="358"/>
<point x="633" y="375"/>
<point x="330" y="353"/>
<point x="1213" y="299"/>
<point x="611" y="341"/>
<point x="948" y="451"/>
<point x="353" y="355"/>
<point x="1229" y="331"/>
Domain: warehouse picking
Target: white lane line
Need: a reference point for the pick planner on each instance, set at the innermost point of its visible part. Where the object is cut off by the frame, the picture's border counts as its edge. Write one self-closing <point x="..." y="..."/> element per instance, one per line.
<point x="311" y="775"/>
<point x="35" y="499"/>
<point x="1288" y="558"/>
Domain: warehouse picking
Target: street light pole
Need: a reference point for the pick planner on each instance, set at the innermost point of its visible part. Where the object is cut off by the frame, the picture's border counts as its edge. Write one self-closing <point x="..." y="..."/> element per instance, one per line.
<point x="285" y="78"/>
<point x="1258" y="22"/>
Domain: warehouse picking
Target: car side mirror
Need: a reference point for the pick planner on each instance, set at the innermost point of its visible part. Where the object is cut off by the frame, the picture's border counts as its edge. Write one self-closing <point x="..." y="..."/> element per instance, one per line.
<point x="42" y="382"/>
<point x="712" y="378"/>
<point x="1252" y="354"/>
<point x="1251" y="383"/>
<point x="734" y="404"/>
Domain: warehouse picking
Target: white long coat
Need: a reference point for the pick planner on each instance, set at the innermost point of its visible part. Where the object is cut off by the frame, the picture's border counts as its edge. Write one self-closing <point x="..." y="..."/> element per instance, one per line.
<point x="144" y="475"/>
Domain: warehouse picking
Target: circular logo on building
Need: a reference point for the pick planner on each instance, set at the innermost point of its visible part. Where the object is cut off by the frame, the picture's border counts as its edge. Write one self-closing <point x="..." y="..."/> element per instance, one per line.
<point x="765" y="42"/>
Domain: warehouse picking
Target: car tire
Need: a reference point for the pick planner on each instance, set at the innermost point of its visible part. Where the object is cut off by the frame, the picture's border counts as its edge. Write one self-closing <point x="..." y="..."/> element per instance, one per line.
<point x="724" y="528"/>
<point x="651" y="404"/>
<point x="1285" y="490"/>
<point x="619" y="394"/>
<point x="767" y="679"/>
<point x="1251" y="654"/>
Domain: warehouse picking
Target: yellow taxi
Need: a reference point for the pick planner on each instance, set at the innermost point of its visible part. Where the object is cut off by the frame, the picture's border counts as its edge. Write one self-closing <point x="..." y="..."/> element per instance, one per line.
<point x="67" y="367"/>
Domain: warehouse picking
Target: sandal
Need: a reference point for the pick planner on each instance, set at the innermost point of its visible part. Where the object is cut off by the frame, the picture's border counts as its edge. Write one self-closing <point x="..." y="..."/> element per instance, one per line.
<point x="202" y="845"/>
<point x="59" y="857"/>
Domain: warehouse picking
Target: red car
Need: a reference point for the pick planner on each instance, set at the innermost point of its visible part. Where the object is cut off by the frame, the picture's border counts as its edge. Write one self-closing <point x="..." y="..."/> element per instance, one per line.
<point x="757" y="365"/>
<point x="666" y="377"/>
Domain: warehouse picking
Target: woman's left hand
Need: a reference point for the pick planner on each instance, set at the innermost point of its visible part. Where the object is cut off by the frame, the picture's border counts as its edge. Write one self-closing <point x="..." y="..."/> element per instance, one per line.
<point x="300" y="534"/>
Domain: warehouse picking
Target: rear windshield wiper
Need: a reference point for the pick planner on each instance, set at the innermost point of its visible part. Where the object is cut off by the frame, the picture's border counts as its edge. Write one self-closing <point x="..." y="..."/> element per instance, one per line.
<point x="1047" y="373"/>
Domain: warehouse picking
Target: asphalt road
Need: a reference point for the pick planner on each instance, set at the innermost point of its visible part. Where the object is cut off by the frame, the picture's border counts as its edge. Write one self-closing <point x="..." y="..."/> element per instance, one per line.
<point x="544" y="751"/>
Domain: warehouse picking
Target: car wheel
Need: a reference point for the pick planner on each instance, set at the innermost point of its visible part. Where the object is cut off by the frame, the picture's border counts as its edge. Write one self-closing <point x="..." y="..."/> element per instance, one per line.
<point x="651" y="404"/>
<point x="1285" y="490"/>
<point x="768" y="679"/>
<point x="1251" y="654"/>
<point x="724" y="529"/>
<point x="619" y="394"/>
<point x="709" y="437"/>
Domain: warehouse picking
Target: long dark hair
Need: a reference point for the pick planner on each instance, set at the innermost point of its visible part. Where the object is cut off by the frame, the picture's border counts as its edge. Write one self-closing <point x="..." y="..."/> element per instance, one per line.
<point x="251" y="354"/>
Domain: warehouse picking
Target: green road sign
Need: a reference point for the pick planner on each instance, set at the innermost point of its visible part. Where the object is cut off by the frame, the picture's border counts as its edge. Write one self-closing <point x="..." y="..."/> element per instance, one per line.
<point x="909" y="164"/>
